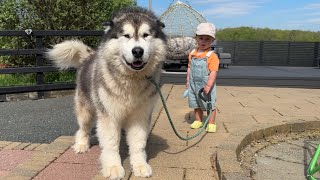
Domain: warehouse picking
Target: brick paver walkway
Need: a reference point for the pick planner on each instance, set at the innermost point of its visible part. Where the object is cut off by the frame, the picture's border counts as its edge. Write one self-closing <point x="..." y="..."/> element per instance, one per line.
<point x="244" y="114"/>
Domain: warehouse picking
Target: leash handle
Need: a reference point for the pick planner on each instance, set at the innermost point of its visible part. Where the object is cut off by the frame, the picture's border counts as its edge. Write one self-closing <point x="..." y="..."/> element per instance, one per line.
<point x="204" y="96"/>
<point x="207" y="99"/>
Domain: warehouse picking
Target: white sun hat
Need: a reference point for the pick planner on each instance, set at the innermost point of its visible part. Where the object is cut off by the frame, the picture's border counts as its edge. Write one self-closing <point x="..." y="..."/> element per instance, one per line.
<point x="206" y="29"/>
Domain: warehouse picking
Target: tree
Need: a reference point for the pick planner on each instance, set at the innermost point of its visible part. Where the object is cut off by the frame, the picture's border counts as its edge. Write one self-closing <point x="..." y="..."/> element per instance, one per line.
<point x="58" y="14"/>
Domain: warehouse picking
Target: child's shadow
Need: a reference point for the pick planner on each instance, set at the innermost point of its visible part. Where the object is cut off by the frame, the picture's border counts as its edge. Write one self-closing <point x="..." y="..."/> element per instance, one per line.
<point x="189" y="117"/>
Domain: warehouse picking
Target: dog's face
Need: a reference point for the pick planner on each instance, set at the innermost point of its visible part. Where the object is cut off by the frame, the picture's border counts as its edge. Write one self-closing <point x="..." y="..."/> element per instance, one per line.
<point x="136" y="39"/>
<point x="138" y="43"/>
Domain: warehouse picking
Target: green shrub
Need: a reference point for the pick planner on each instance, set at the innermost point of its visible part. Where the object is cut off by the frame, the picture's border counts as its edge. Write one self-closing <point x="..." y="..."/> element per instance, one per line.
<point x="50" y="15"/>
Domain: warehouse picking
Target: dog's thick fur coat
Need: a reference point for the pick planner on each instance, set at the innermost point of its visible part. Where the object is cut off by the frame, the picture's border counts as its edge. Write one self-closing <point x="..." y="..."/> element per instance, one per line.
<point x="112" y="86"/>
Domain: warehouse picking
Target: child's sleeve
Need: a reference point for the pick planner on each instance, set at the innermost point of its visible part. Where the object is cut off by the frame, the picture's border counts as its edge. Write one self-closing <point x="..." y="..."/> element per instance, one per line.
<point x="213" y="62"/>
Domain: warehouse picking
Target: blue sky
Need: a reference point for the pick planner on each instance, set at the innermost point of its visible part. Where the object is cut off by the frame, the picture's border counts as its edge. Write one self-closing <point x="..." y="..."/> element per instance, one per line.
<point x="273" y="14"/>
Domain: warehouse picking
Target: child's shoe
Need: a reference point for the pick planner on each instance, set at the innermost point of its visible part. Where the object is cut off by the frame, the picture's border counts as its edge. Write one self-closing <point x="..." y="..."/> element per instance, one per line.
<point x="196" y="124"/>
<point x="211" y="128"/>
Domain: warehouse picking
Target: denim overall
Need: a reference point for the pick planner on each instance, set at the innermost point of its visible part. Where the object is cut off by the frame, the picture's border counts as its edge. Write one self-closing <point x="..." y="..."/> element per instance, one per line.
<point x="199" y="75"/>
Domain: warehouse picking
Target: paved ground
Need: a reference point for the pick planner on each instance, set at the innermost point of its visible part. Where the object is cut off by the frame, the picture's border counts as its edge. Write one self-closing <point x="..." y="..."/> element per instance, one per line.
<point x="23" y="121"/>
<point x="244" y="114"/>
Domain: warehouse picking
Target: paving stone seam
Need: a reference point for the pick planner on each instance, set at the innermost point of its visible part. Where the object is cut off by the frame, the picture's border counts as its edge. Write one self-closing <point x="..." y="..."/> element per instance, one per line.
<point x="165" y="89"/>
<point x="177" y="167"/>
<point x="11" y="145"/>
<point x="225" y="127"/>
<point x="277" y="158"/>
<point x="184" y="173"/>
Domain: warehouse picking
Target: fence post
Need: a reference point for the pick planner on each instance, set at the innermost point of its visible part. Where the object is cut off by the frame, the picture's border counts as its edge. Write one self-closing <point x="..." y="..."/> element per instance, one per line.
<point x="316" y="61"/>
<point x="39" y="62"/>
<point x="234" y="60"/>
<point x="260" y="52"/>
<point x="289" y="53"/>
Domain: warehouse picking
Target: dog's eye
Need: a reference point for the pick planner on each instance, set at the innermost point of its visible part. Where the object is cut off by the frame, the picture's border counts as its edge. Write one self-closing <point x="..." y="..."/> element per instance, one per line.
<point x="145" y="35"/>
<point x="127" y="35"/>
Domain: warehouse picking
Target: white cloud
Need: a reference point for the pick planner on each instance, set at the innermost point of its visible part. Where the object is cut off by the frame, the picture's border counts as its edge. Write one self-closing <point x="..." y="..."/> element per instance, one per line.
<point x="312" y="6"/>
<point x="313" y="13"/>
<point x="210" y="1"/>
<point x="313" y="21"/>
<point x="311" y="24"/>
<point x="231" y="9"/>
<point x="219" y="2"/>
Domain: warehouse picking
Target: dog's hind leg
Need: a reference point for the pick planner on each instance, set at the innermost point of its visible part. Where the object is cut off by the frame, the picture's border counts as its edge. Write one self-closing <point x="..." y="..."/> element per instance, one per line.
<point x="137" y="131"/>
<point x="85" y="119"/>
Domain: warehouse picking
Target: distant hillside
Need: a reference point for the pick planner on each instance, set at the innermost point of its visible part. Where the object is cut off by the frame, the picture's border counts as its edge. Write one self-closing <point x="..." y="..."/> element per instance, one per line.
<point x="265" y="34"/>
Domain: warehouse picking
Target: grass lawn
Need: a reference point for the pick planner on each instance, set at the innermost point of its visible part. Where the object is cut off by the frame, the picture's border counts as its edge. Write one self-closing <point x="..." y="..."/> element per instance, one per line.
<point x="30" y="79"/>
<point x="17" y="79"/>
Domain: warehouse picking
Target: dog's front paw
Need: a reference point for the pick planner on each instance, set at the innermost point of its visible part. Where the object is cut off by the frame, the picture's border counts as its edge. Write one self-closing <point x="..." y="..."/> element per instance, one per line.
<point x="80" y="148"/>
<point x="114" y="172"/>
<point x="142" y="170"/>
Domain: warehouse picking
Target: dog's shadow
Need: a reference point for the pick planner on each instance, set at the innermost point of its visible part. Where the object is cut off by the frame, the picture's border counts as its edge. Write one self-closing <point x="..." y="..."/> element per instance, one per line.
<point x="151" y="148"/>
<point x="155" y="144"/>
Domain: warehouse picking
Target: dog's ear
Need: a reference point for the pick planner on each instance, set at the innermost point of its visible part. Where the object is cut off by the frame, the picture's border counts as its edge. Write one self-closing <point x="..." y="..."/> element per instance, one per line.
<point x="107" y="25"/>
<point x="161" y="24"/>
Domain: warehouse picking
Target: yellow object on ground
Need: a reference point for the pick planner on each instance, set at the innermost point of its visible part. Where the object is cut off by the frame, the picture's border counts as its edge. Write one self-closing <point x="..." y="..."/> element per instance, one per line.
<point x="211" y="128"/>
<point x="196" y="125"/>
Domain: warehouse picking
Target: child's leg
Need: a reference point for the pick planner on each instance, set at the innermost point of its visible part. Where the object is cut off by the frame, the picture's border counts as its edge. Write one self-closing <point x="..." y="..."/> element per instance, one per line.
<point x="212" y="117"/>
<point x="212" y="127"/>
<point x="198" y="114"/>
<point x="197" y="123"/>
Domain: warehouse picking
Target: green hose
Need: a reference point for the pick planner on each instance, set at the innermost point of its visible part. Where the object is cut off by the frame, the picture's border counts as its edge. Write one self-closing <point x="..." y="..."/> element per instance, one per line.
<point x="313" y="166"/>
<point x="170" y="120"/>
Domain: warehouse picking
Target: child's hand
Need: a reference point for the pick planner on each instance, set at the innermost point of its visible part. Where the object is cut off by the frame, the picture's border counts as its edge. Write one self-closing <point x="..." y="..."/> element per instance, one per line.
<point x="207" y="89"/>
<point x="186" y="92"/>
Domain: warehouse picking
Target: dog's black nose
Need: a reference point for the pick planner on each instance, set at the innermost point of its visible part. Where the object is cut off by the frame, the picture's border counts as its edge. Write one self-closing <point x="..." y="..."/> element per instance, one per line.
<point x="137" y="52"/>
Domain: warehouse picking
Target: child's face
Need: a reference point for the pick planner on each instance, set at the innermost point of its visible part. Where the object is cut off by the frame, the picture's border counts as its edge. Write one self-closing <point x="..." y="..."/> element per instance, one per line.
<point x="204" y="41"/>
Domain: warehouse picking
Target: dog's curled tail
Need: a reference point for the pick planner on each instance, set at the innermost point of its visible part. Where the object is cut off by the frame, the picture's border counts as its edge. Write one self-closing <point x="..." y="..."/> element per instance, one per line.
<point x="69" y="53"/>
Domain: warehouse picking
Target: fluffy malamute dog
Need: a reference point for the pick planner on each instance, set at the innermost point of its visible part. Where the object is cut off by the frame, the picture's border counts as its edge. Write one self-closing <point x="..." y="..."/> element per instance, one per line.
<point x="112" y="85"/>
